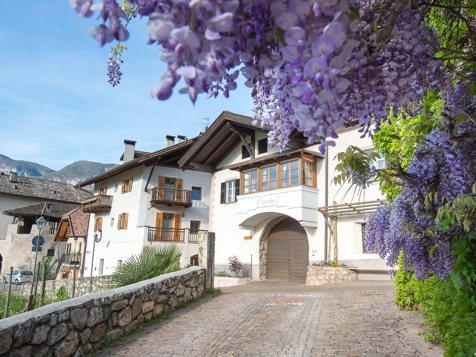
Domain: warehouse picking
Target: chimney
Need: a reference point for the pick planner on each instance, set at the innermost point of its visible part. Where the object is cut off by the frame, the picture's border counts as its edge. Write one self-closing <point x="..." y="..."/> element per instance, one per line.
<point x="170" y="140"/>
<point x="13" y="176"/>
<point x="129" y="150"/>
<point x="181" y="138"/>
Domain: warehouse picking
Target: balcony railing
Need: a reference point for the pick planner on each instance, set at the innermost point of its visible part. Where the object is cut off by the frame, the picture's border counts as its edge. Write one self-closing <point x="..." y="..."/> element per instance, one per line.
<point x="171" y="196"/>
<point x="99" y="203"/>
<point x="69" y="259"/>
<point x="173" y="235"/>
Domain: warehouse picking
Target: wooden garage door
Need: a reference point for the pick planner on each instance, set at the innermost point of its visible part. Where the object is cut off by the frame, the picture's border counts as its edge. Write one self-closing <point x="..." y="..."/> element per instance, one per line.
<point x="288" y="252"/>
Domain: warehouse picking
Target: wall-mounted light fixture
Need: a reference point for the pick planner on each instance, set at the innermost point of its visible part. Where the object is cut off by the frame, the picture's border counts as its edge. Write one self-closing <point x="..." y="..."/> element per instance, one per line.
<point x="183" y="214"/>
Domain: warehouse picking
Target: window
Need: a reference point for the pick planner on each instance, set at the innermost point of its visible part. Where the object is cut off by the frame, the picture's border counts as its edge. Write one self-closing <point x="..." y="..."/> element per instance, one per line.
<point x="196" y="193"/>
<point x="115" y="187"/>
<point x="50" y="253"/>
<point x="171" y="189"/>
<point x="307" y="173"/>
<point x="229" y="191"/>
<point x="68" y="249"/>
<point x="112" y="222"/>
<point x="127" y="185"/>
<point x="244" y="152"/>
<point x="98" y="224"/>
<point x="122" y="221"/>
<point x="290" y="173"/>
<point x="364" y="248"/>
<point x="293" y="172"/>
<point x="194" y="227"/>
<point x="269" y="178"/>
<point x="262" y="146"/>
<point x="380" y="163"/>
<point x="250" y="183"/>
<point x="102" y="191"/>
<point x="119" y="263"/>
<point x="168" y="227"/>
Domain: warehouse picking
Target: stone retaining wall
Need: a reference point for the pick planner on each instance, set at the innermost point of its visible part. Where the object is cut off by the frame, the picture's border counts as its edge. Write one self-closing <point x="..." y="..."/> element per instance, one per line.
<point x="72" y="327"/>
<point x="320" y="275"/>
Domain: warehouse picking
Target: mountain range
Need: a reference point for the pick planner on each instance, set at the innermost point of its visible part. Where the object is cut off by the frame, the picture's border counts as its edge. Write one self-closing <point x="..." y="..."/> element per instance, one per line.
<point x="74" y="173"/>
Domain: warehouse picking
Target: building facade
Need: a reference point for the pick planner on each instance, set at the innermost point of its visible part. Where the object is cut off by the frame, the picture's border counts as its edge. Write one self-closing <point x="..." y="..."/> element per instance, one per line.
<point x="147" y="201"/>
<point x="280" y="211"/>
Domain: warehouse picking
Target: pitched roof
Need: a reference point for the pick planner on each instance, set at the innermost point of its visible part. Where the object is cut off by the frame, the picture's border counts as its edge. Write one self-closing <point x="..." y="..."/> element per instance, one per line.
<point x="42" y="189"/>
<point x="46" y="209"/>
<point x="167" y="156"/>
<point x="137" y="153"/>
<point x="223" y="135"/>
<point x="77" y="221"/>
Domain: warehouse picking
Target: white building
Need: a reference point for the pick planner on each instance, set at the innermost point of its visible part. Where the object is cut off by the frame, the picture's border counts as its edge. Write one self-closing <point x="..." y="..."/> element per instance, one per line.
<point x="278" y="211"/>
<point x="146" y="201"/>
<point x="266" y="206"/>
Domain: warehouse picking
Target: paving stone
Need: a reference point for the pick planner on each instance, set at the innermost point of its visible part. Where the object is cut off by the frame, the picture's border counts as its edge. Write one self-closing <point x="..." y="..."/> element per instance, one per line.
<point x="274" y="319"/>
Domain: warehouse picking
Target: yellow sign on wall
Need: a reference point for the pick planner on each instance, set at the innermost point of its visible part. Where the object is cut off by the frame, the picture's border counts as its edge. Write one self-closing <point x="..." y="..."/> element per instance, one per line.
<point x="248" y="237"/>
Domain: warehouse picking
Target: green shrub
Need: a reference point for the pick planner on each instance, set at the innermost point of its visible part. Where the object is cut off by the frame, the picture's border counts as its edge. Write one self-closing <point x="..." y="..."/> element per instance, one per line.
<point x="62" y="294"/>
<point x="448" y="307"/>
<point x="406" y="288"/>
<point x="221" y="274"/>
<point x="152" y="262"/>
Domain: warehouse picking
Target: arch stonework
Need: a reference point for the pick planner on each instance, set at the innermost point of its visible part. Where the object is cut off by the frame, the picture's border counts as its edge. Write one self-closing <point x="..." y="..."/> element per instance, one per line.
<point x="263" y="245"/>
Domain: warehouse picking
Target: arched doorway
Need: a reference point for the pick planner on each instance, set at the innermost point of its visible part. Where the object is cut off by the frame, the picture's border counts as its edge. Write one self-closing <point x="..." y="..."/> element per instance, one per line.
<point x="288" y="252"/>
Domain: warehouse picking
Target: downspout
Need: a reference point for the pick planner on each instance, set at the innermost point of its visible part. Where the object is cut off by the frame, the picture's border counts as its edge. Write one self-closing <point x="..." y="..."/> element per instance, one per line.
<point x="326" y="199"/>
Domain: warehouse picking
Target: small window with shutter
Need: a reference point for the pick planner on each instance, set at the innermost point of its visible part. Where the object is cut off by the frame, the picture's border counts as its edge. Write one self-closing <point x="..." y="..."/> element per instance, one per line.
<point x="127" y="185"/>
<point x="122" y="221"/>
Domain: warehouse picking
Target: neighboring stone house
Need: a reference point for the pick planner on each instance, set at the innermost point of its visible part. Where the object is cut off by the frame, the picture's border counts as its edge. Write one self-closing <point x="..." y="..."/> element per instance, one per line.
<point x="18" y="191"/>
<point x="73" y="230"/>
<point x="146" y="201"/>
<point x="272" y="208"/>
<point x="18" y="249"/>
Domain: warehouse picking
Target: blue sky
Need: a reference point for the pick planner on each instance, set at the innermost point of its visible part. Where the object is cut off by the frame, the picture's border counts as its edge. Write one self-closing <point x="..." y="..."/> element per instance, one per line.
<point x="56" y="106"/>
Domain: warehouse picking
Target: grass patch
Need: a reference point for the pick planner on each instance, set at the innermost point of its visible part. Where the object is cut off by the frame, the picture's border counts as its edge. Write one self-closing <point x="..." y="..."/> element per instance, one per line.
<point x="17" y="304"/>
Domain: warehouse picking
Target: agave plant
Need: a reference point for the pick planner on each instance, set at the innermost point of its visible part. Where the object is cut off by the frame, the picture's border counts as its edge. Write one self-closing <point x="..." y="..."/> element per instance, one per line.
<point x="152" y="262"/>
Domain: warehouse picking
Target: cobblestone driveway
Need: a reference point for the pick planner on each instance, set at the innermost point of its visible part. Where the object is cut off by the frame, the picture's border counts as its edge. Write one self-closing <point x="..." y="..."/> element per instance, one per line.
<point x="282" y="319"/>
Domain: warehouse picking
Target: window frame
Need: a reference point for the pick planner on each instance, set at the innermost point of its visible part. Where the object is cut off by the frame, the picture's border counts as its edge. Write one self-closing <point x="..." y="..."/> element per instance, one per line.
<point x="245" y="154"/>
<point x="122" y="221"/>
<point x="262" y="146"/>
<point x="127" y="185"/>
<point x="102" y="191"/>
<point x="229" y="191"/>
<point x="195" y="189"/>
<point x="289" y="172"/>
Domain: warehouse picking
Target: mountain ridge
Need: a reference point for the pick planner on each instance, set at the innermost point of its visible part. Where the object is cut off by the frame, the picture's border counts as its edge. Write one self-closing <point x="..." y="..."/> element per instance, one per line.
<point x="73" y="173"/>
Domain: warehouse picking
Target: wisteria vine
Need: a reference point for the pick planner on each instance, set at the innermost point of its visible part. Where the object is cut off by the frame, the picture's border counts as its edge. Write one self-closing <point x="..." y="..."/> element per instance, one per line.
<point x="312" y="65"/>
<point x="442" y="170"/>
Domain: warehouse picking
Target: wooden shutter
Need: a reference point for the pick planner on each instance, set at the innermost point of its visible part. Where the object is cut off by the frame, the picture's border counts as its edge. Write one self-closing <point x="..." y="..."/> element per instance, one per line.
<point x="126" y="219"/>
<point x="223" y="192"/>
<point x="158" y="226"/>
<point x="237" y="189"/>
<point x="161" y="189"/>
<point x="98" y="224"/>
<point x="178" y="189"/>
<point x="177" y="218"/>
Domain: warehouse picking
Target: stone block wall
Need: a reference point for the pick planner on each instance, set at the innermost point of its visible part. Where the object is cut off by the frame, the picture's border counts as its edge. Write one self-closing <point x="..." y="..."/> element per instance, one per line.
<point x="100" y="283"/>
<point x="72" y="327"/>
<point x="320" y="275"/>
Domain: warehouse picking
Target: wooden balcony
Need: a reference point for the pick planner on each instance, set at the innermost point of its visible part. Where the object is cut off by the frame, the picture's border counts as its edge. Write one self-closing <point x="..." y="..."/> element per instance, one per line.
<point x="173" y="235"/>
<point x="99" y="203"/>
<point x="171" y="197"/>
